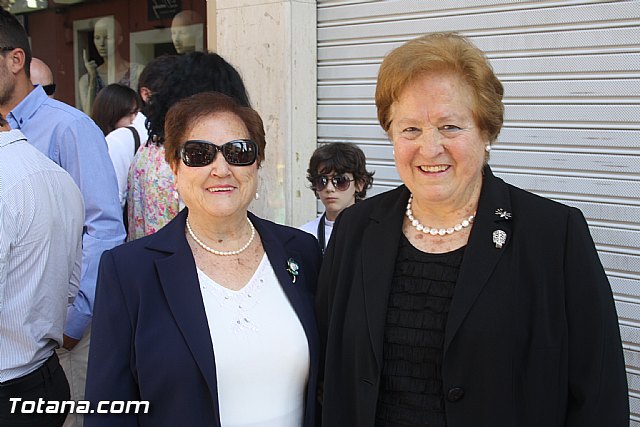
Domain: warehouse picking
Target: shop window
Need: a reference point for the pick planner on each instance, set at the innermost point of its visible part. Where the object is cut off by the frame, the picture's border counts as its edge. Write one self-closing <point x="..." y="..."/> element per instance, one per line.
<point x="100" y="51"/>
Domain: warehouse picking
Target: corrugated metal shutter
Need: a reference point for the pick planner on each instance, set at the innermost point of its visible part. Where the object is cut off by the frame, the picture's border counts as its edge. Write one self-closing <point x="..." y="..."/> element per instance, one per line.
<point x="571" y="71"/>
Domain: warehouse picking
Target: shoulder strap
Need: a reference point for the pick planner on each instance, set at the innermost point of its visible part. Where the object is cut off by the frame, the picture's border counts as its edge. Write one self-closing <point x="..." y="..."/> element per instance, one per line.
<point x="321" y="238"/>
<point x="136" y="138"/>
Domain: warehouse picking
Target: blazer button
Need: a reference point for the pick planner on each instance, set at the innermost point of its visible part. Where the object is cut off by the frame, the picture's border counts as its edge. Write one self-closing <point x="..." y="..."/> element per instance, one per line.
<point x="455" y="394"/>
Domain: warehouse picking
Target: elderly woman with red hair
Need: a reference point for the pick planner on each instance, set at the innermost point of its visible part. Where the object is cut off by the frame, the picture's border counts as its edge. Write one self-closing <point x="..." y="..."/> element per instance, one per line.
<point x="457" y="299"/>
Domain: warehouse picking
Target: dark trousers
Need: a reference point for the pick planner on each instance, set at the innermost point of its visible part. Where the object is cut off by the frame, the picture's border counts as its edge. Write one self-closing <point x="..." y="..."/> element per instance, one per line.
<point x="48" y="383"/>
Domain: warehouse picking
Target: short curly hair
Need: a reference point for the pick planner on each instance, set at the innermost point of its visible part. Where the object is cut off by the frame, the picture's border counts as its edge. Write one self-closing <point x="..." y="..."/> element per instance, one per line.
<point x="193" y="73"/>
<point x="186" y="113"/>
<point x="339" y="158"/>
<point x="442" y="52"/>
<point x="155" y="73"/>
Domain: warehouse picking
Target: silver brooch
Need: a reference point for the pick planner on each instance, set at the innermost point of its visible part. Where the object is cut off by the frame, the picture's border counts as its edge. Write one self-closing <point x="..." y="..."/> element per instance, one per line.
<point x="499" y="238"/>
<point x="503" y="214"/>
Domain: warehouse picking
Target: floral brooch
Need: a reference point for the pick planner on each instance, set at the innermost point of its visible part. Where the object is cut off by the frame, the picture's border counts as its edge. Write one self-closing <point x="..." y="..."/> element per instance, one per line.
<point x="502" y="213"/>
<point x="293" y="269"/>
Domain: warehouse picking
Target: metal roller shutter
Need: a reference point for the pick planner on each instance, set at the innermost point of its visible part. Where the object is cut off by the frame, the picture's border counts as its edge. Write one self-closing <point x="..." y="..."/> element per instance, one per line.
<point x="571" y="71"/>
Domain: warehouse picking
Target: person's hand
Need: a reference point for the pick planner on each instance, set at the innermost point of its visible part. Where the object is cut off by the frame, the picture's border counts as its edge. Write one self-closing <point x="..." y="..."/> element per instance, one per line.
<point x="91" y="66"/>
<point x="68" y="342"/>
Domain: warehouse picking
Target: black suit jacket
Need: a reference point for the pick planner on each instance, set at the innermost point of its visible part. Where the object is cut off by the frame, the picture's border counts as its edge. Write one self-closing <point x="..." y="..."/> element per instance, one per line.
<point x="532" y="336"/>
<point x="150" y="339"/>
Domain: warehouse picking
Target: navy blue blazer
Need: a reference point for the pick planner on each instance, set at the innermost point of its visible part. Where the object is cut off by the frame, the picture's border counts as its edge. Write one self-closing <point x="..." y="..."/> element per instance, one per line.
<point x="532" y="336"/>
<point x="150" y="339"/>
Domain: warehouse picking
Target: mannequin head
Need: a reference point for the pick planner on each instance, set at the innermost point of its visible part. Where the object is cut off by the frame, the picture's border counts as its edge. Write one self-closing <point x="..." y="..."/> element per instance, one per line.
<point x="107" y="36"/>
<point x="185" y="31"/>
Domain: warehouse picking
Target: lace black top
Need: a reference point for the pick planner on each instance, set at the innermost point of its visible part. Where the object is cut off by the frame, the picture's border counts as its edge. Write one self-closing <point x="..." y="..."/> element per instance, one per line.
<point x="411" y="392"/>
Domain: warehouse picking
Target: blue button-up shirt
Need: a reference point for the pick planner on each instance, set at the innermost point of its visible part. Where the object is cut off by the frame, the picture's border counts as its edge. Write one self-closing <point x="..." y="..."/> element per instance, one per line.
<point x="72" y="140"/>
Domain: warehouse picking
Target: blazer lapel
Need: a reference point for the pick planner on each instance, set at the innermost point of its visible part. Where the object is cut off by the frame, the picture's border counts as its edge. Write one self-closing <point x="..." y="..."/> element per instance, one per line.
<point x="179" y="281"/>
<point x="380" y="242"/>
<point x="482" y="253"/>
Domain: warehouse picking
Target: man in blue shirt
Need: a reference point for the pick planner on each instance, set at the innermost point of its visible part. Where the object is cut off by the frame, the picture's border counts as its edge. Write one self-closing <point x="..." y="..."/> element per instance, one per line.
<point x="72" y="140"/>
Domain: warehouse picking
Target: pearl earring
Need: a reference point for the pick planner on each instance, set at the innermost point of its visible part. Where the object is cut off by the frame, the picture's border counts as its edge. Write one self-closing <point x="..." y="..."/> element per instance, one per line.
<point x="257" y="196"/>
<point x="487" y="148"/>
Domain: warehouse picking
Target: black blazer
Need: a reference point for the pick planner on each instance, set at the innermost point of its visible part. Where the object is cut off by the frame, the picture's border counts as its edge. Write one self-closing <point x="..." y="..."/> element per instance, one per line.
<point x="532" y="336"/>
<point x="150" y="338"/>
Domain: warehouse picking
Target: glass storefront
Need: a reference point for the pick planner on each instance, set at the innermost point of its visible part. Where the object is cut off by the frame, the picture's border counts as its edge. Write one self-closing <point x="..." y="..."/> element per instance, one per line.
<point x="89" y="44"/>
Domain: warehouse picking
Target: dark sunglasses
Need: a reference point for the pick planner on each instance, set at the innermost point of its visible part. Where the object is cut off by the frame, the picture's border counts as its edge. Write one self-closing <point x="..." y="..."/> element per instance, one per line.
<point x="340" y="182"/>
<point x="49" y="89"/>
<point x="239" y="152"/>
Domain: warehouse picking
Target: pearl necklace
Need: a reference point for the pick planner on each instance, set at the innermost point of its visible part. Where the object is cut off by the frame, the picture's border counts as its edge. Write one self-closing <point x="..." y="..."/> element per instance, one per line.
<point x="222" y="253"/>
<point x="436" y="231"/>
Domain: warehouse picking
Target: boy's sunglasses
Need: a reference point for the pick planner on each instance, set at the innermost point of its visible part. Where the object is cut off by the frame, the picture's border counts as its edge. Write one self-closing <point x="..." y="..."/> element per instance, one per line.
<point x="49" y="89"/>
<point x="239" y="152"/>
<point x="340" y="182"/>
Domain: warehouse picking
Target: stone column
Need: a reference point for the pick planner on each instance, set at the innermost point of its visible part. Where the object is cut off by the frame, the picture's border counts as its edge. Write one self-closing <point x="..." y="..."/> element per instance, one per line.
<point x="273" y="46"/>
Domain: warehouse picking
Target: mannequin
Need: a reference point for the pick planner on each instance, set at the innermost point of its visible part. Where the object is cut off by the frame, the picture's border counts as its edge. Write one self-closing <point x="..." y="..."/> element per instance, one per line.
<point x="107" y="38"/>
<point x="185" y="31"/>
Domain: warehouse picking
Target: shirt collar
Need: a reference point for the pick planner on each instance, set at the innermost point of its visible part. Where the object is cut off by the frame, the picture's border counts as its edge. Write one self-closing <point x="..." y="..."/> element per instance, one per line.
<point x="27" y="107"/>
<point x="11" y="136"/>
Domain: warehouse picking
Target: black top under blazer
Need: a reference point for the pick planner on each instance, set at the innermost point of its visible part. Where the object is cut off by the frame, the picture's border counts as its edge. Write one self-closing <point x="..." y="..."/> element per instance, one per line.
<point x="150" y="339"/>
<point x="532" y="337"/>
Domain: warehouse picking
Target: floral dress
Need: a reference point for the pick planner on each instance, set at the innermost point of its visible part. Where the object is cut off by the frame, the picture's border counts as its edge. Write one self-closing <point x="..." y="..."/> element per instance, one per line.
<point x="152" y="197"/>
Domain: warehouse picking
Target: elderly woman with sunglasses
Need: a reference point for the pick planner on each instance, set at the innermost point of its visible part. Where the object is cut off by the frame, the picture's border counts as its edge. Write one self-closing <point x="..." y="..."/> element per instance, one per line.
<point x="210" y="320"/>
<point x="339" y="178"/>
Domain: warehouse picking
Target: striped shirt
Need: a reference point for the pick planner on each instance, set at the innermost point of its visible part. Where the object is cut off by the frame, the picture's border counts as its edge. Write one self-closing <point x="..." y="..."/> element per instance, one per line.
<point x="41" y="220"/>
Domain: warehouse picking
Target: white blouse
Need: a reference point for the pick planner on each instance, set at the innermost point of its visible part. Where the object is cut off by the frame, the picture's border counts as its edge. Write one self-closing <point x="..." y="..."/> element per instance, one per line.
<point x="261" y="351"/>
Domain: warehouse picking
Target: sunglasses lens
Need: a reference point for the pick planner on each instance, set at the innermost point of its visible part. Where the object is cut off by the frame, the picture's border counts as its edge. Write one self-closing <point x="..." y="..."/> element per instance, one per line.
<point x="242" y="152"/>
<point x="49" y="89"/>
<point x="319" y="183"/>
<point x="198" y="153"/>
<point x="341" y="182"/>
